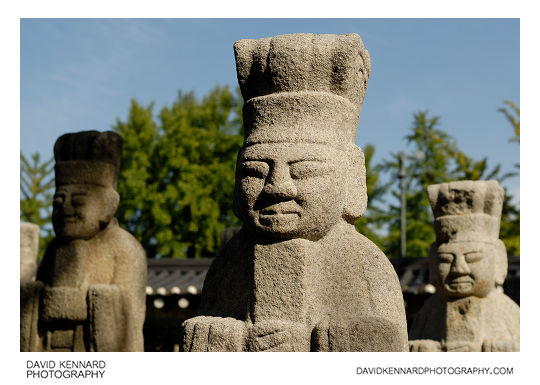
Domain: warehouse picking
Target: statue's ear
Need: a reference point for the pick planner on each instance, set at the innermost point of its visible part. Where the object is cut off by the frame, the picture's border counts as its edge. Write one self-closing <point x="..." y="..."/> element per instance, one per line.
<point x="433" y="266"/>
<point x="237" y="210"/>
<point x="109" y="203"/>
<point x="356" y="192"/>
<point x="115" y="200"/>
<point x="501" y="263"/>
<point x="236" y="198"/>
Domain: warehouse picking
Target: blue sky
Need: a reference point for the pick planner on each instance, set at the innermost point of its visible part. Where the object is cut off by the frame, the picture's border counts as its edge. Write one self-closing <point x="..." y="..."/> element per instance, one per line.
<point x="80" y="74"/>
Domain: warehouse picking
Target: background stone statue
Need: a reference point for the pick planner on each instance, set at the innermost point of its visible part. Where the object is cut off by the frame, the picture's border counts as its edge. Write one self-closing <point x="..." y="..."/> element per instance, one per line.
<point x="89" y="293"/>
<point x="29" y="251"/>
<point x="469" y="311"/>
<point x="298" y="276"/>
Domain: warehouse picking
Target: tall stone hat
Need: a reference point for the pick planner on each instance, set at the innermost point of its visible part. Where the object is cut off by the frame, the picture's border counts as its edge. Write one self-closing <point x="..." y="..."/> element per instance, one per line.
<point x="88" y="157"/>
<point x="302" y="87"/>
<point x="467" y="210"/>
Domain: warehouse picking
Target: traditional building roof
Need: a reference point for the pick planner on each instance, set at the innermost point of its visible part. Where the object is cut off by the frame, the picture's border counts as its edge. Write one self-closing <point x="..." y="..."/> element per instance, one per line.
<point x="183" y="276"/>
<point x="176" y="276"/>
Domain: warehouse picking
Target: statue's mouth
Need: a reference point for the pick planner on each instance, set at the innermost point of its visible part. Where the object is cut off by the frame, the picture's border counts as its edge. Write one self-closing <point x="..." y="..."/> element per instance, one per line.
<point x="282" y="208"/>
<point x="461" y="282"/>
<point x="68" y="219"/>
<point x="282" y="214"/>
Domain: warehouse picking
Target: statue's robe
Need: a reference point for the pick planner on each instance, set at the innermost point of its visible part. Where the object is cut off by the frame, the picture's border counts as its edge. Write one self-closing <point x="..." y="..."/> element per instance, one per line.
<point x="339" y="293"/>
<point x="89" y="295"/>
<point x="472" y="323"/>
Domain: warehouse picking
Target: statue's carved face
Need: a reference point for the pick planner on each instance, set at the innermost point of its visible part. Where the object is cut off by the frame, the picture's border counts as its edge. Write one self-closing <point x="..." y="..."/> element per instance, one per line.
<point x="80" y="211"/>
<point x="290" y="190"/>
<point x="466" y="268"/>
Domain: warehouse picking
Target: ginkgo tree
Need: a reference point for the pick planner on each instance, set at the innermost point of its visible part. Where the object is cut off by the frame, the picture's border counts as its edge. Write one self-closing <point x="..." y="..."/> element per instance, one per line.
<point x="177" y="173"/>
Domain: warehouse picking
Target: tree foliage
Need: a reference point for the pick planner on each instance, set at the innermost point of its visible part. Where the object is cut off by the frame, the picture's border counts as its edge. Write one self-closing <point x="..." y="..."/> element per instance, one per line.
<point x="371" y="223"/>
<point x="438" y="147"/>
<point x="444" y="162"/>
<point x="177" y="174"/>
<point x="37" y="188"/>
<point x="510" y="220"/>
<point x="513" y="118"/>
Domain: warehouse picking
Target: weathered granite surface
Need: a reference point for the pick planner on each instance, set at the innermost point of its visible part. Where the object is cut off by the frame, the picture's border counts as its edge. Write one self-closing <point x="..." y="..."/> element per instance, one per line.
<point x="469" y="311"/>
<point x="297" y="276"/>
<point x="89" y="293"/>
<point x="29" y="251"/>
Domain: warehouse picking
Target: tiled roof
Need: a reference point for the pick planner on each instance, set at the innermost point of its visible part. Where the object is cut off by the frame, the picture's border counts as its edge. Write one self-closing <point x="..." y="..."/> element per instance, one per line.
<point x="181" y="276"/>
<point x="176" y="276"/>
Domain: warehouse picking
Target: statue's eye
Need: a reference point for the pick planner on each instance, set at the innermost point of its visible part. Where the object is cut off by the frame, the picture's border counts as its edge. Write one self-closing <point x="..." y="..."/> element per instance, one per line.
<point x="58" y="200"/>
<point x="309" y="169"/>
<point x="255" y="169"/>
<point x="473" y="256"/>
<point x="446" y="257"/>
<point x="78" y="201"/>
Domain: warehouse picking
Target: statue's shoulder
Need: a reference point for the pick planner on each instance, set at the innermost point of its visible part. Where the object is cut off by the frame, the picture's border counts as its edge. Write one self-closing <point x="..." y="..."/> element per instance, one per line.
<point x="46" y="267"/>
<point x="429" y="320"/>
<point x="123" y="242"/>
<point x="435" y="304"/>
<point x="369" y="252"/>
<point x="504" y="304"/>
<point x="509" y="302"/>
<point x="368" y="261"/>
<point x="239" y="245"/>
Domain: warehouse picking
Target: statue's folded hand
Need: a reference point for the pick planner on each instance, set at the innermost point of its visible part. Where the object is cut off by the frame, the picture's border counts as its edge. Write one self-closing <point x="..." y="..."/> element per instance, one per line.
<point x="461" y="346"/>
<point x="64" y="303"/>
<point x="500" y="346"/>
<point x="213" y="334"/>
<point x="361" y="334"/>
<point x="278" y="336"/>
<point x="424" y="346"/>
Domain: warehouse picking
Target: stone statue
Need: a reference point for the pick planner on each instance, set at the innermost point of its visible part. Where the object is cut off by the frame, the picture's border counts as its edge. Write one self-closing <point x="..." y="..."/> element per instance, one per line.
<point x="29" y="251"/>
<point x="89" y="293"/>
<point x="297" y="276"/>
<point x="469" y="311"/>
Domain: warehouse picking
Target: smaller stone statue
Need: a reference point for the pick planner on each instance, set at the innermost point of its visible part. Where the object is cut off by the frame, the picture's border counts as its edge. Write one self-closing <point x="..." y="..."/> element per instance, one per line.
<point x="29" y="251"/>
<point x="469" y="311"/>
<point x="89" y="293"/>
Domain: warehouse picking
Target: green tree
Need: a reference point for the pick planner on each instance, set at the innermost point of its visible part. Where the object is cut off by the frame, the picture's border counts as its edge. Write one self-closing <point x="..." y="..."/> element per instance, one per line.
<point x="36" y="188"/>
<point x="510" y="228"/>
<point x="510" y="221"/>
<point x="438" y="147"/>
<point x="177" y="174"/>
<point x="467" y="168"/>
<point x="513" y="118"/>
<point x="371" y="223"/>
<point x="444" y="162"/>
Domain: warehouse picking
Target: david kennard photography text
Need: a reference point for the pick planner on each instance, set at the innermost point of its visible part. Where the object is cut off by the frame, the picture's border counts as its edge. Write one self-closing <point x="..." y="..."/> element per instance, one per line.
<point x="65" y="369"/>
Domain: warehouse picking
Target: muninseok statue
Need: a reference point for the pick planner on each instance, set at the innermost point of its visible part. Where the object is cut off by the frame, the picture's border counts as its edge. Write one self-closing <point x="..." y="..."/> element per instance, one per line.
<point x="469" y="311"/>
<point x="298" y="276"/>
<point x="89" y="293"/>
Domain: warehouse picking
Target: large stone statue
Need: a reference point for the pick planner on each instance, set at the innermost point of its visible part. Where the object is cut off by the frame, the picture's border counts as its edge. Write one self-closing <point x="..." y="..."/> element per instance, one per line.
<point x="297" y="276"/>
<point x="29" y="251"/>
<point x="469" y="311"/>
<point x="89" y="293"/>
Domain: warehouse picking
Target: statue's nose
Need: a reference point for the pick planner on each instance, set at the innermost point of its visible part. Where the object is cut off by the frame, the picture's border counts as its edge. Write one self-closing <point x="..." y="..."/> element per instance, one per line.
<point x="280" y="184"/>
<point x="460" y="265"/>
